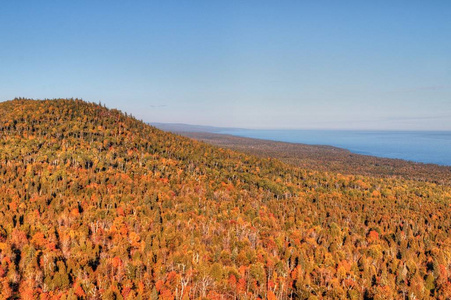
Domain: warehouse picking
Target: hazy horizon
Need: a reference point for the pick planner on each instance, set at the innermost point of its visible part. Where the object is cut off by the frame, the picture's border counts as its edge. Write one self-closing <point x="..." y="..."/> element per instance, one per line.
<point x="288" y="129"/>
<point x="254" y="64"/>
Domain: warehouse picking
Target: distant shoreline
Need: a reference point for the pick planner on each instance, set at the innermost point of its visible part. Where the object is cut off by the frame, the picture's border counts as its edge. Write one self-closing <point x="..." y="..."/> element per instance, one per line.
<point x="428" y="147"/>
<point x="326" y="158"/>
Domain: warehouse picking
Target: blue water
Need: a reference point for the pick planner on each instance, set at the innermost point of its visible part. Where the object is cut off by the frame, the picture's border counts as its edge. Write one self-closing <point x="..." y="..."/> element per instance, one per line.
<point x="419" y="146"/>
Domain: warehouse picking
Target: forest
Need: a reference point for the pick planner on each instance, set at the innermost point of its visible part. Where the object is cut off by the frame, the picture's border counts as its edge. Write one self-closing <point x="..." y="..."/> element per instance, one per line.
<point x="95" y="204"/>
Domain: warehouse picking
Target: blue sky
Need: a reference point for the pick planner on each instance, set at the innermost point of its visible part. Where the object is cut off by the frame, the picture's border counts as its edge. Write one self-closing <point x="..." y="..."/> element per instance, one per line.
<point x="252" y="64"/>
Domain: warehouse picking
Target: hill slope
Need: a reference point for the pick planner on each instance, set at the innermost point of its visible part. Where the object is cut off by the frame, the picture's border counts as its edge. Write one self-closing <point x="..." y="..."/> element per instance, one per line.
<point x="96" y="204"/>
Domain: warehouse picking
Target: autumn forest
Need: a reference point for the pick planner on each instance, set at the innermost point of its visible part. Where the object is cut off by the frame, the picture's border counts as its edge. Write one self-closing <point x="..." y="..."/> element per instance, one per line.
<point x="95" y="204"/>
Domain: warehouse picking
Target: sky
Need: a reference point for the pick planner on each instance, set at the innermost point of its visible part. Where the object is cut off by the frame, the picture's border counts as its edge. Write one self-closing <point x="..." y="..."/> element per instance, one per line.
<point x="383" y="65"/>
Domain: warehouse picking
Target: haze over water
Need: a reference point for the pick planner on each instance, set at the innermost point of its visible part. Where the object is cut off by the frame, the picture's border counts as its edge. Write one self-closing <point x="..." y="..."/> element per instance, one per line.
<point x="419" y="146"/>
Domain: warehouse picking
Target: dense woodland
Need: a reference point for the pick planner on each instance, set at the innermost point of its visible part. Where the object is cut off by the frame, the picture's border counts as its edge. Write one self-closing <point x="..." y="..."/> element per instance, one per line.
<point x="95" y="204"/>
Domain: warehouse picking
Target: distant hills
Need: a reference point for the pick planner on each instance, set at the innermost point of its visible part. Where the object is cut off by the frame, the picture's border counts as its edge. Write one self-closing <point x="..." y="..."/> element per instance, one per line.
<point x="95" y="204"/>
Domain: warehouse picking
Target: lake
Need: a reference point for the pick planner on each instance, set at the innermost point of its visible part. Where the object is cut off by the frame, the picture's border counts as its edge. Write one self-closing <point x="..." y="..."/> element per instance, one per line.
<point x="419" y="146"/>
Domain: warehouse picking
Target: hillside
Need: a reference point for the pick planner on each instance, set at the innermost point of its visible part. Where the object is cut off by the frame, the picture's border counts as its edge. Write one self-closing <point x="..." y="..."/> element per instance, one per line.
<point x="96" y="204"/>
<point x="327" y="158"/>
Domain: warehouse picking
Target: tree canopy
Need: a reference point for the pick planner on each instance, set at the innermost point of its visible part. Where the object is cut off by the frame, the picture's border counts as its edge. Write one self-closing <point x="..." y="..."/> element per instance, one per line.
<point x="95" y="204"/>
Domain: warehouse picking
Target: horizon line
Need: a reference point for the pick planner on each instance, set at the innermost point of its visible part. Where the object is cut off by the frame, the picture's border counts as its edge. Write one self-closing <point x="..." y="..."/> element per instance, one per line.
<point x="295" y="128"/>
